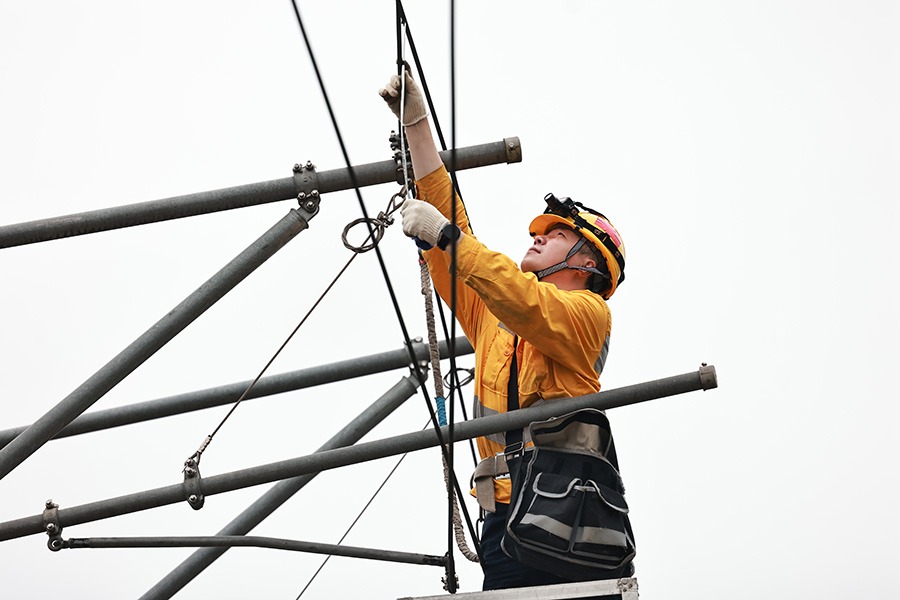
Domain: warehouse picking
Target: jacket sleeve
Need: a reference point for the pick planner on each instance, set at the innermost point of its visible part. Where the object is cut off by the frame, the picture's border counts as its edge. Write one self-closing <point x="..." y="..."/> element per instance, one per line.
<point x="570" y="327"/>
<point x="436" y="188"/>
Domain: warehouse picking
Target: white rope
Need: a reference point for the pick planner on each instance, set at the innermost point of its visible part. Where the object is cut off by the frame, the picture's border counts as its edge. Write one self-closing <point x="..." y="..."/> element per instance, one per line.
<point x="459" y="532"/>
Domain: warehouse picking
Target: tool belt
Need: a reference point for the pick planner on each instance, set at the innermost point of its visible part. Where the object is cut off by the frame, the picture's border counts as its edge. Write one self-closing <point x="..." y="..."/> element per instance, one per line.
<point x="568" y="513"/>
<point x="483" y="480"/>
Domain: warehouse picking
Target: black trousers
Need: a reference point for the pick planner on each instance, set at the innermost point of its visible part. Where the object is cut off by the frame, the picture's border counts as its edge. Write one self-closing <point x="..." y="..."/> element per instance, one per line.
<point x="501" y="571"/>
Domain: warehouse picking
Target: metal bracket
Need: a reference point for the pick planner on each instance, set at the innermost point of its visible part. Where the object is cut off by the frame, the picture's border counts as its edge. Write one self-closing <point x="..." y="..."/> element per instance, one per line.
<point x="628" y="588"/>
<point x="193" y="492"/>
<point x="52" y="526"/>
<point x="450" y="581"/>
<point x="397" y="147"/>
<point x="307" y="186"/>
<point x="513" y="149"/>
<point x="424" y="364"/>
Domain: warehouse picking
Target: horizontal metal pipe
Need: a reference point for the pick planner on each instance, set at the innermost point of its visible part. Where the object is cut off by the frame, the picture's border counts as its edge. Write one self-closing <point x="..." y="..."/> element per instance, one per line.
<point x="705" y="378"/>
<point x="51" y="423"/>
<point x="267" y="386"/>
<point x="229" y="541"/>
<point x="279" y="493"/>
<point x="276" y="190"/>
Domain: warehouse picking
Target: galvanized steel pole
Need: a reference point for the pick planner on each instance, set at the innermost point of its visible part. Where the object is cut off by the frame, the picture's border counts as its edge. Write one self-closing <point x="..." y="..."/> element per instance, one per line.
<point x="507" y="151"/>
<point x="281" y="492"/>
<point x="703" y="379"/>
<point x="152" y="340"/>
<point x="217" y="396"/>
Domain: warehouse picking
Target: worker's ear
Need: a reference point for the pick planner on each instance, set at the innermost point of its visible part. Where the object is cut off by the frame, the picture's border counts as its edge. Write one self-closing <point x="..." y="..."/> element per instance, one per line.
<point x="585" y="275"/>
<point x="589" y="263"/>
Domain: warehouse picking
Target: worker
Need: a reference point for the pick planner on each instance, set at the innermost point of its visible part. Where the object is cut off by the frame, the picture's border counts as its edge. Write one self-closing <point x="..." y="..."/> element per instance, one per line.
<point x="550" y="312"/>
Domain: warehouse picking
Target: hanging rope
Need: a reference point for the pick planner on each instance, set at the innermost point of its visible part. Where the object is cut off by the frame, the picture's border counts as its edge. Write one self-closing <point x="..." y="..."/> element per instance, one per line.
<point x="459" y="533"/>
<point x="446" y="449"/>
<point x="440" y="400"/>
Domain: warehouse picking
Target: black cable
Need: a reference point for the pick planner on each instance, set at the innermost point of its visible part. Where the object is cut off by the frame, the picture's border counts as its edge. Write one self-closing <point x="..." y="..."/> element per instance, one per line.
<point x="454" y="376"/>
<point x="362" y="205"/>
<point x="355" y="521"/>
<point x="413" y="361"/>
<point x="440" y="133"/>
<point x="453" y="262"/>
<point x="455" y="182"/>
<point x="428" y="99"/>
<point x="451" y="380"/>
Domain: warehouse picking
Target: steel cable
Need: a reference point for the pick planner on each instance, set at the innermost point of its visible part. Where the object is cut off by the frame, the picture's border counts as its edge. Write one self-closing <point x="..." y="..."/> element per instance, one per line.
<point x="446" y="449"/>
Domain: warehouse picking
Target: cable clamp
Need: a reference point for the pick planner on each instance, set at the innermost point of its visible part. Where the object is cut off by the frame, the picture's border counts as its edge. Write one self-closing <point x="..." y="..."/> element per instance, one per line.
<point x="193" y="492"/>
<point x="398" y="145"/>
<point x="52" y="526"/>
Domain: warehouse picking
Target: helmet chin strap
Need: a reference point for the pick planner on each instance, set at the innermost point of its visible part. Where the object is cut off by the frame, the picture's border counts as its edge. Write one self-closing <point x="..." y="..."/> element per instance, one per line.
<point x="565" y="265"/>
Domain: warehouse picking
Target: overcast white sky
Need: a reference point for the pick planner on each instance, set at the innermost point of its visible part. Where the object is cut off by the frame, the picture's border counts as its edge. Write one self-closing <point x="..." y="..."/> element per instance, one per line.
<point x="748" y="153"/>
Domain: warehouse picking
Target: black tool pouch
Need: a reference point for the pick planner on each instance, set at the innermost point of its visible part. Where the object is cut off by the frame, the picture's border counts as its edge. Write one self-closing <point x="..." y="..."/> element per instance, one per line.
<point x="568" y="513"/>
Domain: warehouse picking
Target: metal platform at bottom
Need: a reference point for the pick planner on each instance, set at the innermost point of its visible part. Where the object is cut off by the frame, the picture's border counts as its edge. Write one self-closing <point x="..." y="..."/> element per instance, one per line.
<point x="625" y="588"/>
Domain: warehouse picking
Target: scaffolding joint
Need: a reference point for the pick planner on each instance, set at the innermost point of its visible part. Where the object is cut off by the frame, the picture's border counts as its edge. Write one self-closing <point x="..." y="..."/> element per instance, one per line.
<point x="418" y="368"/>
<point x="193" y="491"/>
<point x="52" y="526"/>
<point x="307" y="187"/>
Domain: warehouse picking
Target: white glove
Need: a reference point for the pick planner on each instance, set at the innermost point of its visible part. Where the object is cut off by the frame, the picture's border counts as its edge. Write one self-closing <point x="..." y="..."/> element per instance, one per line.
<point x="414" y="104"/>
<point x="423" y="221"/>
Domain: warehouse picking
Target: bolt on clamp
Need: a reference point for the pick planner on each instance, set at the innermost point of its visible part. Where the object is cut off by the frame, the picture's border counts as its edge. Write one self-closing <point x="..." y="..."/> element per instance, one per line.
<point x="192" y="488"/>
<point x="52" y="526"/>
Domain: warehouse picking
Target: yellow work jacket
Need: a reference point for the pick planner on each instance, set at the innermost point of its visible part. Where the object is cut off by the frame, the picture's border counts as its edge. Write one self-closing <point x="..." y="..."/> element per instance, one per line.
<point x="563" y="335"/>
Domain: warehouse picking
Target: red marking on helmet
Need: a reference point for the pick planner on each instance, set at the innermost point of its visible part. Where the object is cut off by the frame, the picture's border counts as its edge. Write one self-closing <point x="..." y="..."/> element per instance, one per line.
<point x="606" y="226"/>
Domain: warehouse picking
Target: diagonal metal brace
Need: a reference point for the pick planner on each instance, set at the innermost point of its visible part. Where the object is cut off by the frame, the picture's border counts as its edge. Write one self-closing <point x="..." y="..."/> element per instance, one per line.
<point x="193" y="492"/>
<point x="52" y="526"/>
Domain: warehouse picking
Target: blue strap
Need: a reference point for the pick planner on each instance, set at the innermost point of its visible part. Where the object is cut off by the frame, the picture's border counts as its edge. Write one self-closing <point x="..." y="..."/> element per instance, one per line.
<point x="440" y="401"/>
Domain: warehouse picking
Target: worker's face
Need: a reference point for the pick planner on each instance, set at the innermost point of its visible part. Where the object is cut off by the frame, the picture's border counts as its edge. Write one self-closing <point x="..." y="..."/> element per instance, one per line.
<point x="550" y="249"/>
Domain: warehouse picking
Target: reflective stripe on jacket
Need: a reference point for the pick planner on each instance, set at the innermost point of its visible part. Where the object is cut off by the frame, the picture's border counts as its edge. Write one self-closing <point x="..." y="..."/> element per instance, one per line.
<point x="563" y="335"/>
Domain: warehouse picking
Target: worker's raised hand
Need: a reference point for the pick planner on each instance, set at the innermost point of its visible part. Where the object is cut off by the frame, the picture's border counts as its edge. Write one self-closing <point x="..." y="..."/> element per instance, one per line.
<point x="414" y="104"/>
<point x="422" y="221"/>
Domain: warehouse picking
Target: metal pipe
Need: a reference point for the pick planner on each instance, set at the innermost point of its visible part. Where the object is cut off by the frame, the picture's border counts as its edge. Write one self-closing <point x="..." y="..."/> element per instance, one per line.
<point x="703" y="379"/>
<point x="228" y="541"/>
<point x="149" y="342"/>
<point x="217" y="396"/>
<point x="507" y="151"/>
<point x="266" y="504"/>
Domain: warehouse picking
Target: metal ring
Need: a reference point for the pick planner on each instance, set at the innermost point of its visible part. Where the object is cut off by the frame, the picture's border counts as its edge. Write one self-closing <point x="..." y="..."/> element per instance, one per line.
<point x="377" y="232"/>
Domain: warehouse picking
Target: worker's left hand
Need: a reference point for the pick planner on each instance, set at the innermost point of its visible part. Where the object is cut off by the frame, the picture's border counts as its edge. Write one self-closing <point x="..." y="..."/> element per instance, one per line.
<point x="414" y="104"/>
<point x="423" y="221"/>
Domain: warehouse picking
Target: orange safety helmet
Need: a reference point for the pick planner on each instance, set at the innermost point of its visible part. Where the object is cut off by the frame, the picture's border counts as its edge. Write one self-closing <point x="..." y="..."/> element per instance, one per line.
<point x="595" y="228"/>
